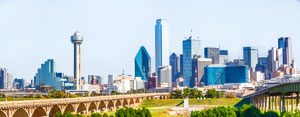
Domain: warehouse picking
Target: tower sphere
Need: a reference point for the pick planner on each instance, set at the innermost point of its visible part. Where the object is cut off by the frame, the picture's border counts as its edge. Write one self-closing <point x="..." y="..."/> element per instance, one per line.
<point x="77" y="38"/>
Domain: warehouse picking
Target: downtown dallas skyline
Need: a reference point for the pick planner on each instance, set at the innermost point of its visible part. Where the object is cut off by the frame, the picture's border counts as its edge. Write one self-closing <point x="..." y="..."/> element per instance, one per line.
<point x="33" y="32"/>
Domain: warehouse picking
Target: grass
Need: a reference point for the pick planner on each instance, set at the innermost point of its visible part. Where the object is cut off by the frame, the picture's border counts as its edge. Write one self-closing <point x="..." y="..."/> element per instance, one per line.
<point x="216" y="101"/>
<point x="159" y="108"/>
<point x="159" y="103"/>
<point x="17" y="99"/>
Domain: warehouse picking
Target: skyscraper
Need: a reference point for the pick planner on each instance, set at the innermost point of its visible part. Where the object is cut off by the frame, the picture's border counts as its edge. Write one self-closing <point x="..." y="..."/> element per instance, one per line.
<point x="250" y="56"/>
<point x="46" y="76"/>
<point x="273" y="63"/>
<point x="174" y="62"/>
<point x="110" y="80"/>
<point x="213" y="53"/>
<point x="286" y="44"/>
<point x="4" y="78"/>
<point x="142" y="63"/>
<point x="199" y="63"/>
<point x="18" y="83"/>
<point x="223" y="58"/>
<point x="165" y="76"/>
<point x="181" y="65"/>
<point x="77" y="39"/>
<point x="161" y="43"/>
<point x="191" y="48"/>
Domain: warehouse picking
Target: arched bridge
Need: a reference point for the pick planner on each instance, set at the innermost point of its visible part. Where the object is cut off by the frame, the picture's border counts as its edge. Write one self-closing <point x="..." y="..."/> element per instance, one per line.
<point x="281" y="97"/>
<point x="83" y="105"/>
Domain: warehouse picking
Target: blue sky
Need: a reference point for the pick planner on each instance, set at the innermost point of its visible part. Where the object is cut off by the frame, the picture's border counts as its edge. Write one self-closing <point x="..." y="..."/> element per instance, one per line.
<point x="34" y="30"/>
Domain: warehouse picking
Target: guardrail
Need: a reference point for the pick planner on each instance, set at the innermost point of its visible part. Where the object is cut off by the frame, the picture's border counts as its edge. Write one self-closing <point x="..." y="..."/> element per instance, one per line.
<point x="9" y="104"/>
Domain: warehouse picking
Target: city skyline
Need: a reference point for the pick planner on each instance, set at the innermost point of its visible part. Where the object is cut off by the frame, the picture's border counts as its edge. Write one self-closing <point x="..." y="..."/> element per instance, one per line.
<point x="24" y="49"/>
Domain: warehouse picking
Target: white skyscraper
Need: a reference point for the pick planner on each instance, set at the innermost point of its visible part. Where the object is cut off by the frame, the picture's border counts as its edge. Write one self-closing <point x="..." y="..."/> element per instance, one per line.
<point x="162" y="49"/>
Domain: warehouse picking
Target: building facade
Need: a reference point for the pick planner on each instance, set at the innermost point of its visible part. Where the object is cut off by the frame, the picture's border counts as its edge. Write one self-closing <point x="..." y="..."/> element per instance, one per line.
<point x="191" y="48"/>
<point x="165" y="76"/>
<point x="47" y="76"/>
<point x="18" y="83"/>
<point x="174" y="62"/>
<point x="161" y="43"/>
<point x="223" y="58"/>
<point x="213" y="53"/>
<point x="142" y="64"/>
<point x="286" y="44"/>
<point x="250" y="56"/>
<point x="221" y="74"/>
<point x="199" y="63"/>
<point x="5" y="79"/>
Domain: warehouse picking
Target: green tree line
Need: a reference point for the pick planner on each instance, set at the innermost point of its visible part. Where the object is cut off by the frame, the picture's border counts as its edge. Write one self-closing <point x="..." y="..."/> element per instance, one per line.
<point x="194" y="93"/>
<point x="245" y="111"/>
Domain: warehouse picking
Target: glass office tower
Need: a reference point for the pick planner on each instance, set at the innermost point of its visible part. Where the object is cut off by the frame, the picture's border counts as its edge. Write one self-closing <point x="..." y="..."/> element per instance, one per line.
<point x="174" y="62"/>
<point x="250" y="56"/>
<point x="161" y="43"/>
<point x="286" y="44"/>
<point x="142" y="64"/>
<point x="46" y="76"/>
<point x="213" y="53"/>
<point x="191" y="48"/>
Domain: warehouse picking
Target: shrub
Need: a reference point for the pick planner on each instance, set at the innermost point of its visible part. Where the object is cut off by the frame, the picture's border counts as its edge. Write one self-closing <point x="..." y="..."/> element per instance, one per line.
<point x="130" y="112"/>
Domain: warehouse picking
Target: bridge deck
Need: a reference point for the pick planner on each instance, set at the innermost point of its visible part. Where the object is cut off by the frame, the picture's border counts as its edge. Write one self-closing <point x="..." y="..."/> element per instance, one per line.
<point x="46" y="102"/>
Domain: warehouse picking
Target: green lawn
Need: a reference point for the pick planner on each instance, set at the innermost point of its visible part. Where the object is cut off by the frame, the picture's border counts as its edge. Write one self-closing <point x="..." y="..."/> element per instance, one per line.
<point x="159" y="108"/>
<point x="17" y="99"/>
<point x="159" y="103"/>
<point x="216" y="101"/>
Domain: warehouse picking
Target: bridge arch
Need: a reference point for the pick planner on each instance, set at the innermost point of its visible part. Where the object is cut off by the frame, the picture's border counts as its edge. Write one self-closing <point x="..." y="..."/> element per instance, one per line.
<point x="2" y="114"/>
<point x="20" y="113"/>
<point x="54" y="110"/>
<point x="118" y="104"/>
<point x="137" y="100"/>
<point x="92" y="107"/>
<point x="102" y="106"/>
<point x="81" y="108"/>
<point x="39" y="112"/>
<point x="69" y="108"/>
<point x="125" y="103"/>
<point x="131" y="101"/>
<point x="110" y="105"/>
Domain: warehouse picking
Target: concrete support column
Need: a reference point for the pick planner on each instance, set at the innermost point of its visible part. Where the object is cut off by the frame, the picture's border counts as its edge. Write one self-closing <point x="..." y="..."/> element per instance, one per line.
<point x="269" y="102"/>
<point x="292" y="104"/>
<point x="282" y="104"/>
<point x="266" y="102"/>
<point x="297" y="100"/>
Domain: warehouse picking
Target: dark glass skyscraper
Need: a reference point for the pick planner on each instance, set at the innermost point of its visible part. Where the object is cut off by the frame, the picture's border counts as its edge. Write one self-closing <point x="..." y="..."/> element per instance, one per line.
<point x="250" y="56"/>
<point x="142" y="64"/>
<point x="213" y="53"/>
<point x="286" y="45"/>
<point x="174" y="62"/>
<point x="191" y="48"/>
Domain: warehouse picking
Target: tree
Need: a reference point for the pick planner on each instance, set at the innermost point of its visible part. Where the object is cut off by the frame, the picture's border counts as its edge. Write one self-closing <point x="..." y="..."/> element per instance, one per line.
<point x="194" y="92"/>
<point x="176" y="94"/>
<point x="270" y="114"/>
<point x="220" y="94"/>
<point x="96" y="115"/>
<point x="250" y="111"/>
<point x="199" y="94"/>
<point x="186" y="93"/>
<point x="211" y="93"/>
<point x="130" y="112"/>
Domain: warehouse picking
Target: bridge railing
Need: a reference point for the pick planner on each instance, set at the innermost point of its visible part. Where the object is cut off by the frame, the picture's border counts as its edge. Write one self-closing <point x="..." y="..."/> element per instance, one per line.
<point x="74" y="100"/>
